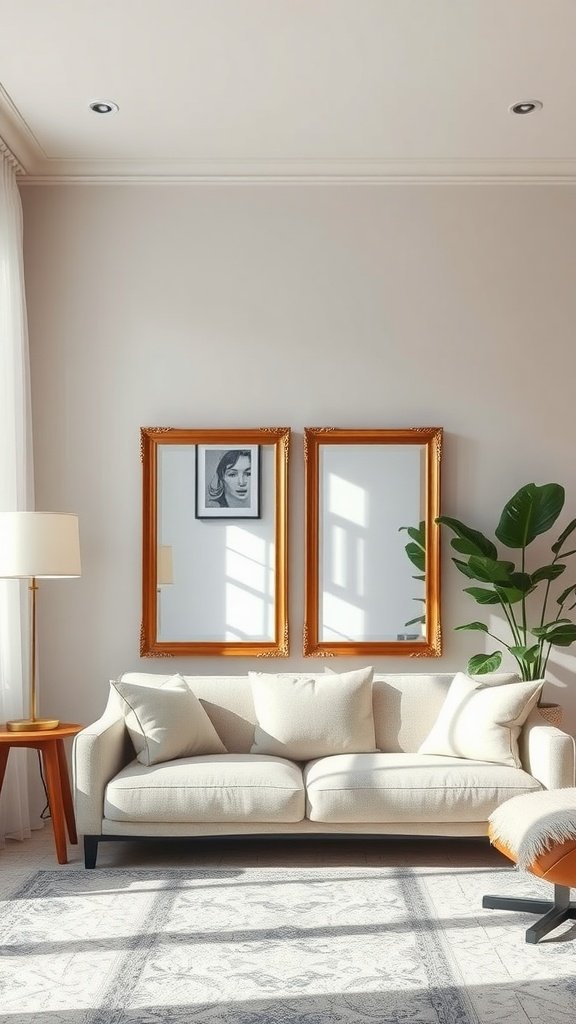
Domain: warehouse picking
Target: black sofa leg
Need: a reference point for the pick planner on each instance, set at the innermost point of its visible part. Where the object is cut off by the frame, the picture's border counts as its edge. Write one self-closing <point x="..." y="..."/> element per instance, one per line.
<point x="90" y="851"/>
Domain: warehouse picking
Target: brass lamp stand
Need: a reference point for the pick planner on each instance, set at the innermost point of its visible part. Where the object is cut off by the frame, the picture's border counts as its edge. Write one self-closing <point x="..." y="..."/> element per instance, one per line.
<point x="33" y="723"/>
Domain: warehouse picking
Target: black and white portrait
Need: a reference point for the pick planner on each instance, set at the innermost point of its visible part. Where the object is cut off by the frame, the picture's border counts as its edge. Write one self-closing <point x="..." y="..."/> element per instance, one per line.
<point x="227" y="482"/>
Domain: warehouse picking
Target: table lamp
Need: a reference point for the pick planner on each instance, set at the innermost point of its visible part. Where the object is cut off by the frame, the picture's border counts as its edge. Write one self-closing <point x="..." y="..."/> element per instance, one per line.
<point x="37" y="545"/>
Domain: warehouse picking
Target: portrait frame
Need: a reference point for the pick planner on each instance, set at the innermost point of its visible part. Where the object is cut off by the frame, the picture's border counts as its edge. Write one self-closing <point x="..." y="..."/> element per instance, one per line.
<point x="161" y="447"/>
<point x="211" y="500"/>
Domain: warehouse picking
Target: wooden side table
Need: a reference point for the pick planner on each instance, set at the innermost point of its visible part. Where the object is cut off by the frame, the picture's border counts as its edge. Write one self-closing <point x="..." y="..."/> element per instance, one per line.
<point x="51" y="745"/>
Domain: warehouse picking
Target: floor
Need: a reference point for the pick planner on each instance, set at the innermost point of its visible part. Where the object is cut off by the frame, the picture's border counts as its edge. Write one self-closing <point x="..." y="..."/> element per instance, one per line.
<point x="19" y="859"/>
<point x="507" y="980"/>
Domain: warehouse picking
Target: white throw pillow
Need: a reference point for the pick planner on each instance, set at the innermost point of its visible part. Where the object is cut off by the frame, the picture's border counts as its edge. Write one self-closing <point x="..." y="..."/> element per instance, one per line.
<point x="302" y="716"/>
<point x="482" y="721"/>
<point x="166" y="721"/>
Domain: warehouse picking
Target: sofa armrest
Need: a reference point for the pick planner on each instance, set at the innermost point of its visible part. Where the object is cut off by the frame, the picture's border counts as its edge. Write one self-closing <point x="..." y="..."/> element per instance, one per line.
<point x="100" y="751"/>
<point x="547" y="753"/>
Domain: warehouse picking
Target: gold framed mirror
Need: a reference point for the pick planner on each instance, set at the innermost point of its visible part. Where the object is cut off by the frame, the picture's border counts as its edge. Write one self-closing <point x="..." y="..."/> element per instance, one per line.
<point x="372" y="543"/>
<point x="215" y="542"/>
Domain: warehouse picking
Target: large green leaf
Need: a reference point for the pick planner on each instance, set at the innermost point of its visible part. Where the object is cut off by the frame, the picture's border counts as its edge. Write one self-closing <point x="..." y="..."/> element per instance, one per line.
<point x="530" y="512"/>
<point x="541" y="631"/>
<point x="465" y="569"/>
<point x="526" y="654"/>
<point x="417" y="533"/>
<point x="417" y="556"/>
<point x="564" y="536"/>
<point x="481" y="663"/>
<point x="566" y="593"/>
<point x="480" y="626"/>
<point x="561" y="635"/>
<point x="470" y="542"/>
<point x="482" y="596"/>
<point x="522" y="581"/>
<point x="490" y="570"/>
<point x="509" y="595"/>
<point x="548" y="572"/>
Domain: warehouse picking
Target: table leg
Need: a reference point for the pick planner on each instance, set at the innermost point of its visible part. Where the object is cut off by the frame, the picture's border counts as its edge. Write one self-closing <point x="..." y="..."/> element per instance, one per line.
<point x="4" y="751"/>
<point x="66" y="792"/>
<point x="53" y="785"/>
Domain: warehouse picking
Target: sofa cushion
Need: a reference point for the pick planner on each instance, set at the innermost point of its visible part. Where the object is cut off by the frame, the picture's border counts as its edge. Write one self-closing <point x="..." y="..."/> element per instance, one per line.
<point x="406" y="705"/>
<point x="408" y="788"/>
<point x="166" y="721"/>
<point x="481" y="721"/>
<point x="306" y="716"/>
<point x="226" y="787"/>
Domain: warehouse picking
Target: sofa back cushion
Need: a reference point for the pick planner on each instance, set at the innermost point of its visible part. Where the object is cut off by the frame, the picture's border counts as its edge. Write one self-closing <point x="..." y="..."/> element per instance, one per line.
<point x="166" y="721"/>
<point x="315" y="716"/>
<point x="227" y="700"/>
<point x="406" y="705"/>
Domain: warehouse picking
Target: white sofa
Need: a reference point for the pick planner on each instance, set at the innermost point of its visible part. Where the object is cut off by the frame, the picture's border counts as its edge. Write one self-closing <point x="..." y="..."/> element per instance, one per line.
<point x="394" y="790"/>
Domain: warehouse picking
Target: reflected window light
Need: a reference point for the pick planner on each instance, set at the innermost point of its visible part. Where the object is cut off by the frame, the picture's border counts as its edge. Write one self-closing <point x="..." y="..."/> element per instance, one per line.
<point x="245" y="570"/>
<point x="341" y="619"/>
<point x="245" y="612"/>
<point x="347" y="500"/>
<point x="337" y="556"/>
<point x="360" y="566"/>
<point x="250" y="585"/>
<point x="246" y="543"/>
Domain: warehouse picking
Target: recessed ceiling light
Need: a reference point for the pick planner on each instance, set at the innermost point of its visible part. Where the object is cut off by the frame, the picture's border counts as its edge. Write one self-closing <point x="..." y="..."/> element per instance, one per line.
<point x="104" y="107"/>
<point x="525" y="107"/>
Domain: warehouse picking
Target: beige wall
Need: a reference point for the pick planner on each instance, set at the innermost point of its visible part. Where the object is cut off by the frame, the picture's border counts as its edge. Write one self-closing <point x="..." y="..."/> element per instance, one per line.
<point x="349" y="306"/>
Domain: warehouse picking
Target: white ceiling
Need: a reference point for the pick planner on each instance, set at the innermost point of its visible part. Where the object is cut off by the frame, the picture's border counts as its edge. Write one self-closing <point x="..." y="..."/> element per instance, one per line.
<point x="306" y="89"/>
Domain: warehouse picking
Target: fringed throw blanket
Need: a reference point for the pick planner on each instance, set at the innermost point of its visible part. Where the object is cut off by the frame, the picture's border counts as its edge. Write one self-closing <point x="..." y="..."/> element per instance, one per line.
<point x="533" y="823"/>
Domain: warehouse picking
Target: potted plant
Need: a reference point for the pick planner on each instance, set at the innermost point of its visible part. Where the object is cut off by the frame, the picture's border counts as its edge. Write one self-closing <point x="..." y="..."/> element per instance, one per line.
<point x="511" y="583"/>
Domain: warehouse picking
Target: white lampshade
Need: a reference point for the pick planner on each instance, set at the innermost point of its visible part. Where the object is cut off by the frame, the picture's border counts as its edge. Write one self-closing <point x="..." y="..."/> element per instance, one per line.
<point x="41" y="544"/>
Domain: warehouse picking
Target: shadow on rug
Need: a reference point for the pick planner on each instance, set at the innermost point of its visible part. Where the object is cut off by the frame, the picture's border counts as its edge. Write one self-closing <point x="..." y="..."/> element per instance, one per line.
<point x="242" y="946"/>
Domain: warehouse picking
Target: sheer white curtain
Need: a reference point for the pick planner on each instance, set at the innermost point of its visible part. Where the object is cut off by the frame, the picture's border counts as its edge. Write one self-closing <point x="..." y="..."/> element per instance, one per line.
<point x="16" y="491"/>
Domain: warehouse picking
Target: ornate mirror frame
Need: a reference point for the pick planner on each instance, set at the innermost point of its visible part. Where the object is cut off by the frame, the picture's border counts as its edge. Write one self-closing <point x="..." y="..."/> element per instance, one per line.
<point x="153" y="439"/>
<point x="429" y="439"/>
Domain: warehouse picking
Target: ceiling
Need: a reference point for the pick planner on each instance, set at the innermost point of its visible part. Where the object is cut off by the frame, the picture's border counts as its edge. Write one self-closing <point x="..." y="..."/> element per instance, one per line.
<point x="288" y="89"/>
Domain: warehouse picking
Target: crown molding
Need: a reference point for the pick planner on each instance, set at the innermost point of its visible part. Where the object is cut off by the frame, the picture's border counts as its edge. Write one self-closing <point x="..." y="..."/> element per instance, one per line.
<point x="308" y="172"/>
<point x="9" y="155"/>
<point x="568" y="179"/>
<point x="35" y="167"/>
<point x="17" y="139"/>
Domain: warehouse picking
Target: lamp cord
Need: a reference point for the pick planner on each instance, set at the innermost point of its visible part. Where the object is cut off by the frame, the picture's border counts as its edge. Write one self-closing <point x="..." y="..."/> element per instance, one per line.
<point x="45" y="816"/>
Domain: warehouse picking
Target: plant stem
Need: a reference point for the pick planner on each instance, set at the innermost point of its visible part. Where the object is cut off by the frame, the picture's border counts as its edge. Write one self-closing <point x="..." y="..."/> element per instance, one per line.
<point x="507" y="609"/>
<point x="524" y="595"/>
<point x="543" y="669"/>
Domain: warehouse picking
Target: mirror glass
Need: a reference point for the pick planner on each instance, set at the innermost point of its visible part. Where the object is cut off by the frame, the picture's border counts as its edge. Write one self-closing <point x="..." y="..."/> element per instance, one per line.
<point x="372" y="572"/>
<point x="215" y="524"/>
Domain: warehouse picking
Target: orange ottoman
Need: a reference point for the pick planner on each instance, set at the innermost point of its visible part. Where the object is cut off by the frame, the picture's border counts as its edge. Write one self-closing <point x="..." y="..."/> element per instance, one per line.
<point x="537" y="831"/>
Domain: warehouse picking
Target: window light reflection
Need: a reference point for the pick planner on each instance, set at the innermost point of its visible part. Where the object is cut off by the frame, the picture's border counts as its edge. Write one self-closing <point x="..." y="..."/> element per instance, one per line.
<point x="245" y="612"/>
<point x="360" y="566"/>
<point x="347" y="500"/>
<point x="337" y="558"/>
<point x="249" y="585"/>
<point x="341" y="618"/>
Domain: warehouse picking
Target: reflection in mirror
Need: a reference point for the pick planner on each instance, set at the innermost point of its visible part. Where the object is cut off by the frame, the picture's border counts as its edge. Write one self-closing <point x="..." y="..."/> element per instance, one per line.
<point x="219" y="580"/>
<point x="372" y="579"/>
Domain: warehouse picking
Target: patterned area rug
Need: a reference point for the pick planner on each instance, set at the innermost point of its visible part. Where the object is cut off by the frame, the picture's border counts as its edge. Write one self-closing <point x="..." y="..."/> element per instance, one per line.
<point x="268" y="946"/>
